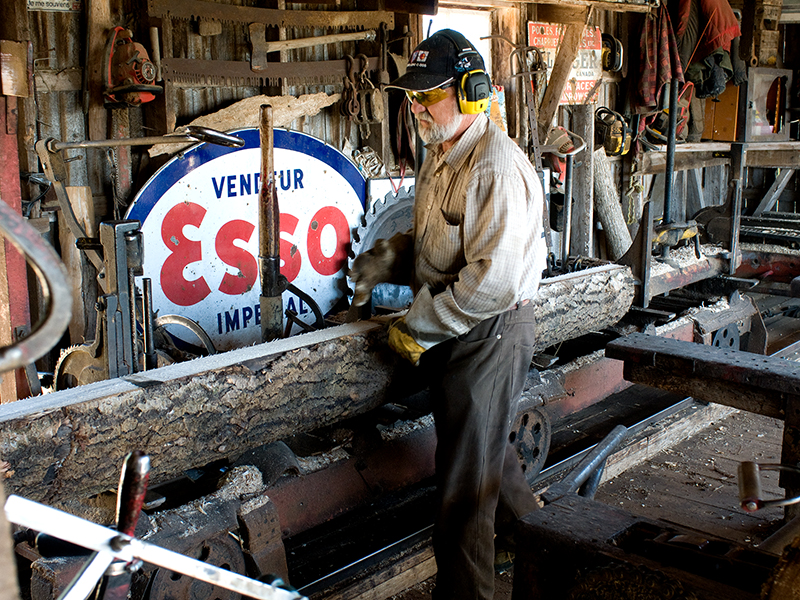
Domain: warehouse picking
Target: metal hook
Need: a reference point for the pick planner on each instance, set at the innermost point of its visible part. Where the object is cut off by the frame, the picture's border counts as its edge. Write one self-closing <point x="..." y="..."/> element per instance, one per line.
<point x="351" y="69"/>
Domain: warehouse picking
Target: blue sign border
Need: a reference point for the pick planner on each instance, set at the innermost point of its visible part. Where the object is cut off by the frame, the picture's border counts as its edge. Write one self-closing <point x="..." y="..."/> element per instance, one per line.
<point x="198" y="155"/>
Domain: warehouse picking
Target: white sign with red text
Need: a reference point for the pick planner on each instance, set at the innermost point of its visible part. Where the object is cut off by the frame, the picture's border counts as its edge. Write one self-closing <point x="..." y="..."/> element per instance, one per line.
<point x="587" y="69"/>
<point x="199" y="218"/>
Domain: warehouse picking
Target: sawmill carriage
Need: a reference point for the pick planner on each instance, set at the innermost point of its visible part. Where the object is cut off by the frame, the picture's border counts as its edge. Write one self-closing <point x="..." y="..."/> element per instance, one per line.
<point x="140" y="132"/>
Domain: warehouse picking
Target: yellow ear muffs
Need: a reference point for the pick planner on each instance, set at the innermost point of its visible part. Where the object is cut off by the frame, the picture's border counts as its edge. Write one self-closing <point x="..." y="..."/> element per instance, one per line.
<point x="474" y="92"/>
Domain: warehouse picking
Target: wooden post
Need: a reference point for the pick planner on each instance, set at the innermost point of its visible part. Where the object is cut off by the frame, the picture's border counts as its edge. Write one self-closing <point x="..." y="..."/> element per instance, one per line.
<point x="99" y="20"/>
<point x="505" y="22"/>
<point x="81" y="272"/>
<point x="14" y="308"/>
<point x="582" y="239"/>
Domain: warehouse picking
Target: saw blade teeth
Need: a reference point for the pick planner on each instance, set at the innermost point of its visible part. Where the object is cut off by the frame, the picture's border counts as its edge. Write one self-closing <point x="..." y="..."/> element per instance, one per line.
<point x="383" y="209"/>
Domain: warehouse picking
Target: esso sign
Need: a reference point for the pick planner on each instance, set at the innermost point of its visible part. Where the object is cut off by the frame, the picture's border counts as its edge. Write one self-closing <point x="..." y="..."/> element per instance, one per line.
<point x="199" y="216"/>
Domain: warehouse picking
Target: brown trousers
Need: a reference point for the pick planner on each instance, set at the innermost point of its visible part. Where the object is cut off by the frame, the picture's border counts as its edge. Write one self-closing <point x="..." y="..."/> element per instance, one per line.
<point x="476" y="383"/>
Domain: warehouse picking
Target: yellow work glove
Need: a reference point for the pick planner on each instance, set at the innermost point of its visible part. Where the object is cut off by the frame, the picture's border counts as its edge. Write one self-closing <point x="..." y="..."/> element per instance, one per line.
<point x="402" y="342"/>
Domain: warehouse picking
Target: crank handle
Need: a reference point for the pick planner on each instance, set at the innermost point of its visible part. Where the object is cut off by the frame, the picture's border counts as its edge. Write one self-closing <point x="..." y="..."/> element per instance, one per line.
<point x="750" y="486"/>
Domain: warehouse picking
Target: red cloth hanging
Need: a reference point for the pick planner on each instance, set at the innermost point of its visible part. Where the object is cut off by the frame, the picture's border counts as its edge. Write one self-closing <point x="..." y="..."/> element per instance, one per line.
<point x="660" y="61"/>
<point x="722" y="26"/>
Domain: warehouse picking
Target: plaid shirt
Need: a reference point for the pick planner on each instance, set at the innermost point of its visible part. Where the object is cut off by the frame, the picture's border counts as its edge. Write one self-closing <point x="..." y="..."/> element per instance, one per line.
<point x="479" y="244"/>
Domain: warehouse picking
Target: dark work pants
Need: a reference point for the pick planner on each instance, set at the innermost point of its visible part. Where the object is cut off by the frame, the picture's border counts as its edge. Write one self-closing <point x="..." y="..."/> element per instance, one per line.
<point x="477" y="382"/>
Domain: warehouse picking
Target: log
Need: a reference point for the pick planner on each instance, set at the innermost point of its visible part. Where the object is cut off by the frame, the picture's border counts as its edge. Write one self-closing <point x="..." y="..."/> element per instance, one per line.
<point x="68" y="445"/>
<point x="608" y="207"/>
<point x="245" y="113"/>
<point x="572" y="305"/>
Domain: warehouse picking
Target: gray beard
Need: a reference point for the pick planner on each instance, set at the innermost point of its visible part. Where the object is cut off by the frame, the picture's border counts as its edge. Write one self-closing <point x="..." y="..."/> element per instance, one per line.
<point x="439" y="133"/>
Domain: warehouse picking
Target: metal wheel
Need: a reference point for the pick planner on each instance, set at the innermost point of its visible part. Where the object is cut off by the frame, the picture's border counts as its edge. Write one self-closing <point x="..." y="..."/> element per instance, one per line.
<point x="727" y="337"/>
<point x="220" y="550"/>
<point x="531" y="435"/>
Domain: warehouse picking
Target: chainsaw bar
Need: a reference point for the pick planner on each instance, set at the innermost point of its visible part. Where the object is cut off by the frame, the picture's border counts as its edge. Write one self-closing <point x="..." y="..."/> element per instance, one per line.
<point x="190" y="72"/>
<point x="198" y="9"/>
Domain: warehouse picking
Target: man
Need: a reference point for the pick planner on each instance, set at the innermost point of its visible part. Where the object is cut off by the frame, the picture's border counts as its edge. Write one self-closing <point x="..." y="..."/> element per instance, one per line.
<point x="474" y="259"/>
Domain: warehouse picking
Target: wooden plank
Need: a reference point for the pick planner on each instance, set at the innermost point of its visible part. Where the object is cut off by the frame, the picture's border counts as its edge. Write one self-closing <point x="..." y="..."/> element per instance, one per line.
<point x="81" y="274"/>
<point x="694" y="484"/>
<point x="609" y="5"/>
<point x="662" y="436"/>
<point x="771" y="197"/>
<point x="655" y="162"/>
<point x="66" y="80"/>
<point x="570" y="43"/>
<point x="396" y="577"/>
<point x="561" y="13"/>
<point x="788" y="158"/>
<point x="14" y="307"/>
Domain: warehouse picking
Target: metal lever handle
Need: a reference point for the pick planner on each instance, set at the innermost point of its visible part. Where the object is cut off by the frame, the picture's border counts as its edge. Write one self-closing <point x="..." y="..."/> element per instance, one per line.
<point x="132" y="488"/>
<point x="193" y="133"/>
<point x="212" y="136"/>
<point x="56" y="291"/>
<point x="750" y="486"/>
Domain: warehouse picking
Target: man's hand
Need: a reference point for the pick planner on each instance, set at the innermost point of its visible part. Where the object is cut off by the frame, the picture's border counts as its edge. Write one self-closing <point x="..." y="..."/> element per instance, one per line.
<point x="371" y="268"/>
<point x="402" y="342"/>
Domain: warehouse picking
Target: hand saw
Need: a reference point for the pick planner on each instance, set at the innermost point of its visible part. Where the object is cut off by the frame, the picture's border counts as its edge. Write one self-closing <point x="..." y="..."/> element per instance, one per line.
<point x="328" y="19"/>
<point x="189" y="72"/>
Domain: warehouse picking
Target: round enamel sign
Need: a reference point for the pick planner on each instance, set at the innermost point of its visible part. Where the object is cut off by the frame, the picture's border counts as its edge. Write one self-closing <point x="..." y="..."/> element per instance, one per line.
<point x="199" y="216"/>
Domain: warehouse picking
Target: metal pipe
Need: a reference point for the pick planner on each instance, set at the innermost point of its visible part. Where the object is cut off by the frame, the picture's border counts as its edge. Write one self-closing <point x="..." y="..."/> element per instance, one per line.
<point x="589" y="487"/>
<point x="150" y="357"/>
<point x="272" y="283"/>
<point x="192" y="133"/>
<point x="671" y="140"/>
<point x="583" y="471"/>
<point x="567" y="214"/>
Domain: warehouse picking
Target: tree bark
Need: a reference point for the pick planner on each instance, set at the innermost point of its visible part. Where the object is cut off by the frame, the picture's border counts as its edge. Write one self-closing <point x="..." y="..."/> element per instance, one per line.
<point x="609" y="209"/>
<point x="575" y="304"/>
<point x="68" y="445"/>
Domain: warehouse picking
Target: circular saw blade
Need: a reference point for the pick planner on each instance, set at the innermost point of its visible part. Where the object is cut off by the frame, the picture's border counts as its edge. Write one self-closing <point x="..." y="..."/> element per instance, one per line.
<point x="76" y="366"/>
<point x="394" y="213"/>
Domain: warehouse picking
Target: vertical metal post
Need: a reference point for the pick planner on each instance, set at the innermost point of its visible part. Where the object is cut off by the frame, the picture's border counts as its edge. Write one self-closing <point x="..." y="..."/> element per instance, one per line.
<point x="738" y="160"/>
<point x="272" y="283"/>
<point x="567" y="214"/>
<point x="671" y="140"/>
<point x="150" y="357"/>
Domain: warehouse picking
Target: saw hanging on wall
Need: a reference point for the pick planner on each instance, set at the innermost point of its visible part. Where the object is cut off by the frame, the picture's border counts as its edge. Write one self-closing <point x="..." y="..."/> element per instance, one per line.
<point x="129" y="75"/>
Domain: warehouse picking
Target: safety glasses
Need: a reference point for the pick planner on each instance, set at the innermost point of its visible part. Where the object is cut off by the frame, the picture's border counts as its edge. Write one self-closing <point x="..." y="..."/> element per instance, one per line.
<point x="428" y="98"/>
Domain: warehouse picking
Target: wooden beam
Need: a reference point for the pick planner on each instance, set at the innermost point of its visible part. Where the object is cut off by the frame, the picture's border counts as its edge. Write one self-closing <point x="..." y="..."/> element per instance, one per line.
<point x="751" y="382"/>
<point x="561" y="13"/>
<point x="776" y="189"/>
<point x="14" y="307"/>
<point x="562" y="64"/>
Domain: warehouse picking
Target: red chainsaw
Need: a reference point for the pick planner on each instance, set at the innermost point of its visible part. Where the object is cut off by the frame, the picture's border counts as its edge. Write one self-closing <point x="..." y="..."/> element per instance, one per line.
<point x="129" y="75"/>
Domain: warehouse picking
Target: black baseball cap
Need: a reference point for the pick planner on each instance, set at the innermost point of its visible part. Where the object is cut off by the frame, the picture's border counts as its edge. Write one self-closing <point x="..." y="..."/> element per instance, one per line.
<point x="437" y="61"/>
